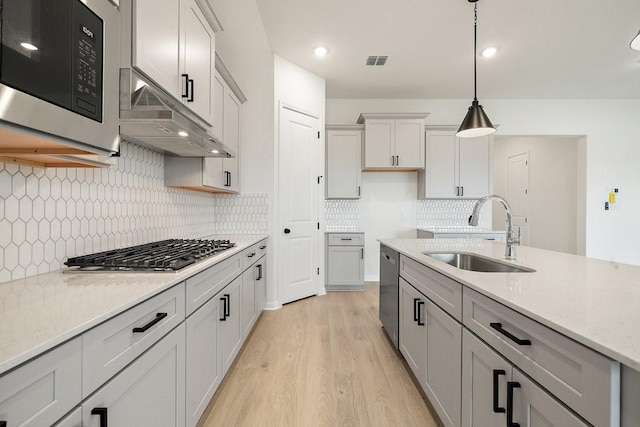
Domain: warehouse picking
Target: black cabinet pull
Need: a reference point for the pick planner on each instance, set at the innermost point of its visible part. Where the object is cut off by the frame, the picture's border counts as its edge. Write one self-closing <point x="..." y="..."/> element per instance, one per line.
<point x="415" y="309"/>
<point x="457" y="191"/>
<point x="346" y="238"/>
<point x="159" y="317"/>
<point x="358" y="190"/>
<point x="259" y="267"/>
<point x="227" y="179"/>
<point x="420" y="322"/>
<point x="397" y="160"/>
<point x="496" y="377"/>
<point x="461" y="191"/>
<point x="227" y="306"/>
<point x="185" y="85"/>
<point x="510" y="387"/>
<point x="361" y="253"/>
<point x="393" y="160"/>
<point x="103" y="415"/>
<point x="498" y="327"/>
<point x="224" y="307"/>
<point x="191" y="90"/>
<point x="263" y="247"/>
<point x="251" y="255"/>
<point x="287" y="231"/>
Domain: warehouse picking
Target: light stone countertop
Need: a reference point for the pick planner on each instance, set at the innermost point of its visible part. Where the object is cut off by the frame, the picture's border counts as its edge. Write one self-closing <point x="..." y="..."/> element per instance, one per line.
<point x="470" y="230"/>
<point x="41" y="312"/>
<point x="592" y="301"/>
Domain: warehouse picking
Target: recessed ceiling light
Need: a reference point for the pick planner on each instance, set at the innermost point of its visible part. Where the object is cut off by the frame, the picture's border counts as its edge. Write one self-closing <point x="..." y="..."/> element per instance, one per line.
<point x="183" y="133"/>
<point x="635" y="43"/>
<point x="28" y="46"/>
<point x="214" y="151"/>
<point x="321" y="51"/>
<point x="490" y="52"/>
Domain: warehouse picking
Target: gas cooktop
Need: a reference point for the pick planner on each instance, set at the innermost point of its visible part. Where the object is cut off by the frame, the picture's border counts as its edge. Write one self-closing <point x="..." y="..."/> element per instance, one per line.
<point x="164" y="256"/>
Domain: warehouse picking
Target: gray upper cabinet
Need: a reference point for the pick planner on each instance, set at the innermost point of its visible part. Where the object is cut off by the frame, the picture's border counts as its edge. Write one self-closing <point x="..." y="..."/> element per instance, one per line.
<point x="173" y="43"/>
<point x="393" y="141"/>
<point x="343" y="162"/>
<point x="455" y="167"/>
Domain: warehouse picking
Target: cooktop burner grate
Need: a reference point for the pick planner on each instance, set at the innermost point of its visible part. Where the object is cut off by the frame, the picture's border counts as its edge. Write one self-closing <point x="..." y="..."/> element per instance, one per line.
<point x="166" y="255"/>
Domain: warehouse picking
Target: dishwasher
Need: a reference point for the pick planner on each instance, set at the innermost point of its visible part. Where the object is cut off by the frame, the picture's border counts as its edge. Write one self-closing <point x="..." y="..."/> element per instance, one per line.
<point x="389" y="273"/>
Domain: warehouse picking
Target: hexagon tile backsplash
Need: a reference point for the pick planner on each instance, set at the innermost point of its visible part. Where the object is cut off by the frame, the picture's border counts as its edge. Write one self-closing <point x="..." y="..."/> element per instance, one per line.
<point x="48" y="215"/>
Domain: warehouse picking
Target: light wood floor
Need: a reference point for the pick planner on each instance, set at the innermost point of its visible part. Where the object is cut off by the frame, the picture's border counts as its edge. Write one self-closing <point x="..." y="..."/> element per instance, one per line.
<point x="322" y="361"/>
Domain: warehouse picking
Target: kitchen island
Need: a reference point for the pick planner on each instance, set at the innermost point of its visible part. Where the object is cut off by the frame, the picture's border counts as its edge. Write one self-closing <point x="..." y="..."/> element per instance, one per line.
<point x="592" y="302"/>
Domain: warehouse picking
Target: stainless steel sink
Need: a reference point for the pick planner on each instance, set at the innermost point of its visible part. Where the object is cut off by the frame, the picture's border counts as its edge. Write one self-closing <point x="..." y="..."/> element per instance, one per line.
<point x="475" y="262"/>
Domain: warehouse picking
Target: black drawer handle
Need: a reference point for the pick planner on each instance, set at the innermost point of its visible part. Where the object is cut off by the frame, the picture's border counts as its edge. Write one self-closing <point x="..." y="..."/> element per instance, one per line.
<point x="251" y="255"/>
<point x="259" y="267"/>
<point x="415" y="309"/>
<point x="227" y="306"/>
<point x="103" y="415"/>
<point x="224" y="307"/>
<point x="498" y="327"/>
<point x="263" y="247"/>
<point x="346" y="238"/>
<point x="420" y="322"/>
<point x="510" y="387"/>
<point x="191" y="90"/>
<point x="185" y="86"/>
<point x="159" y="317"/>
<point x="496" y="377"/>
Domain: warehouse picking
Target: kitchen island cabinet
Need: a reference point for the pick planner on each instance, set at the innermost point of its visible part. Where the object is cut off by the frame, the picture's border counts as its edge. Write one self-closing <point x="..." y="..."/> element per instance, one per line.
<point x="567" y="358"/>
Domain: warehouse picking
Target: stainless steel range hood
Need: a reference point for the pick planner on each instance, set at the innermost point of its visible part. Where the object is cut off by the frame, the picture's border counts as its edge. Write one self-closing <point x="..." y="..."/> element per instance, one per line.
<point x="149" y="116"/>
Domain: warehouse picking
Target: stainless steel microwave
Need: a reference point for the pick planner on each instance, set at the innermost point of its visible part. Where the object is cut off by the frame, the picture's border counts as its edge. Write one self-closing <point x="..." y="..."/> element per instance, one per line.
<point x="59" y="70"/>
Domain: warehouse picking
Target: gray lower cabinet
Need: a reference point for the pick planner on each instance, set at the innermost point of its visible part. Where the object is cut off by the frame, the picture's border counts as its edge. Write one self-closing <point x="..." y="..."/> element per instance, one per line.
<point x="430" y="341"/>
<point x="149" y="392"/>
<point x="494" y="393"/>
<point x="253" y="295"/>
<point x="345" y="262"/>
<point x="230" y="323"/>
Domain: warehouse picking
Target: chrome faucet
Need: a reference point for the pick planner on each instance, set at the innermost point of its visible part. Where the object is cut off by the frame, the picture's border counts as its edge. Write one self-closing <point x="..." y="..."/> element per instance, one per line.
<point x="512" y="239"/>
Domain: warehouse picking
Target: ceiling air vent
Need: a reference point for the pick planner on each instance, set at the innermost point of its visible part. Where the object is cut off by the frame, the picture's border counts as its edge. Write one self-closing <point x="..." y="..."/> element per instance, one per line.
<point x="376" y="60"/>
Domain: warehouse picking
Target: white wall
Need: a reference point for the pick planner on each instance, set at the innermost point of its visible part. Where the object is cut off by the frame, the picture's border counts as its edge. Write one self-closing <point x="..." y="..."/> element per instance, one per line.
<point x="552" y="191"/>
<point x="612" y="132"/>
<point x="294" y="87"/>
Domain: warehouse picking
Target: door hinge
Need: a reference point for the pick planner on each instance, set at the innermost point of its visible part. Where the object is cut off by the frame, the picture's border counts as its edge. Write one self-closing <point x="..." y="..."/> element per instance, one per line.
<point x="318" y="271"/>
<point x="526" y="220"/>
<point x="526" y="191"/>
<point x="318" y="226"/>
<point x="318" y="134"/>
<point x="320" y="177"/>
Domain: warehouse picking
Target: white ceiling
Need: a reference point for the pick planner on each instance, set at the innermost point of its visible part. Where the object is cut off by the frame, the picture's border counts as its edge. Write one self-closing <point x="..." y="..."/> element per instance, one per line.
<point x="548" y="48"/>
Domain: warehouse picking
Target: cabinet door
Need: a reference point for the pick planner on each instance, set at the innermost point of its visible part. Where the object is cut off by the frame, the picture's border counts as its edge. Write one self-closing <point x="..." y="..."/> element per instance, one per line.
<point x="439" y="178"/>
<point x="344" y="157"/>
<point x="261" y="284"/>
<point x="149" y="392"/>
<point x="248" y="311"/>
<point x="231" y="138"/>
<point x="534" y="407"/>
<point x="203" y="367"/>
<point x="443" y="370"/>
<point x="378" y="143"/>
<point x="346" y="266"/>
<point x="474" y="167"/>
<point x="409" y="143"/>
<point x="412" y="329"/>
<point x="484" y="384"/>
<point x="219" y="87"/>
<point x="230" y="332"/>
<point x="199" y="61"/>
<point x="156" y="35"/>
<point x="74" y="419"/>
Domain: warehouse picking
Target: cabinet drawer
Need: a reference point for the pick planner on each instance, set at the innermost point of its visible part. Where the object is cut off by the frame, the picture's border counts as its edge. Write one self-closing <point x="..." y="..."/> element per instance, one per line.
<point x="583" y="379"/>
<point x="253" y="253"/>
<point x="111" y="346"/>
<point x="446" y="293"/>
<point x="207" y="283"/>
<point x="345" y="239"/>
<point x="43" y="390"/>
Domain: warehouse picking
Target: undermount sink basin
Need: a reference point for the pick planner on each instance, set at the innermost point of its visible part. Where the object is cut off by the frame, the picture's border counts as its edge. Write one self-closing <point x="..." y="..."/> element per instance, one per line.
<point x="475" y="262"/>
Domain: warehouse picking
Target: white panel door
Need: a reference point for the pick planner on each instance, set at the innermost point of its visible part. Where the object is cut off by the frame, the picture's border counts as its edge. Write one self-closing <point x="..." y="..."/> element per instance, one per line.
<point x="344" y="164"/>
<point x="199" y="61"/>
<point x="156" y="31"/>
<point x="518" y="193"/>
<point x="298" y="202"/>
<point x="473" y="167"/>
<point x="378" y="143"/>
<point x="440" y="168"/>
<point x="409" y="143"/>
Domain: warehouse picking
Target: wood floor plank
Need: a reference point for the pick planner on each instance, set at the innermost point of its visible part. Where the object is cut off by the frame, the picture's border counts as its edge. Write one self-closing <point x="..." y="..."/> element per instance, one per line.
<point x="321" y="361"/>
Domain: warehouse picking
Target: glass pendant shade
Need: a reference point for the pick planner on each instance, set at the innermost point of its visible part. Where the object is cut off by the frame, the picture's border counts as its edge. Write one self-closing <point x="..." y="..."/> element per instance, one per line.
<point x="635" y="43"/>
<point x="475" y="123"/>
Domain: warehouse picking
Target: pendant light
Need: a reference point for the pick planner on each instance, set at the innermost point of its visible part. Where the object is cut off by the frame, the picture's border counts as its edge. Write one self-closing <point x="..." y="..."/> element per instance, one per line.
<point x="635" y="43"/>
<point x="476" y="122"/>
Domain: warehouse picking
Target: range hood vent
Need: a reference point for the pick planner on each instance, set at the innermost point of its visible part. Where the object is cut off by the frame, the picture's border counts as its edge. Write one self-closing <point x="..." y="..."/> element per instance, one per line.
<point x="151" y="117"/>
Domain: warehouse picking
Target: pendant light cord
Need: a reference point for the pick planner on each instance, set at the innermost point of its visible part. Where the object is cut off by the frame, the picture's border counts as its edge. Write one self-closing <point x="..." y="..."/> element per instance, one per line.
<point x="475" y="55"/>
